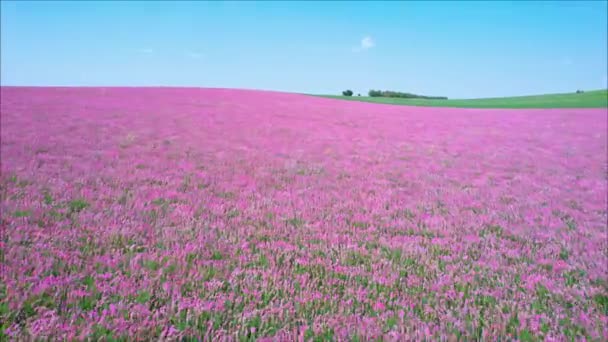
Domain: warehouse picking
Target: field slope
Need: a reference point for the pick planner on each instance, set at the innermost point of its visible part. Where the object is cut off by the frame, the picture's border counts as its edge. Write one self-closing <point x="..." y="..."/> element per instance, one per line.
<point x="589" y="99"/>
<point x="218" y="214"/>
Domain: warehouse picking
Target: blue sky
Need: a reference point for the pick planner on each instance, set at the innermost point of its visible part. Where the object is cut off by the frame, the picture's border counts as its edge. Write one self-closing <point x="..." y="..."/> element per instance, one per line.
<point x="460" y="50"/>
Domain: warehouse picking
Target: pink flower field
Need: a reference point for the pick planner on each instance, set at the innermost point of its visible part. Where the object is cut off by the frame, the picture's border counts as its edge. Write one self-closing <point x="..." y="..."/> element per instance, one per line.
<point x="221" y="215"/>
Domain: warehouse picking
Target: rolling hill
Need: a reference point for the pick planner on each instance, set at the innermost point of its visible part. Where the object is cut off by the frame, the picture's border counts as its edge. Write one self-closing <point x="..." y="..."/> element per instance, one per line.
<point x="589" y="99"/>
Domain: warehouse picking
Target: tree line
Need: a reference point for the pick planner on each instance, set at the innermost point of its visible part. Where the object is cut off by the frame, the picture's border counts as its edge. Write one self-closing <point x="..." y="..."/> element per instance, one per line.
<point x="390" y="93"/>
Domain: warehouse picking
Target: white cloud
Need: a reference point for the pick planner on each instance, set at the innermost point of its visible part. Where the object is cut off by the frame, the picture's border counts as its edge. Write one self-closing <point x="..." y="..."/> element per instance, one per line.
<point x="146" y="51"/>
<point x="194" y="54"/>
<point x="566" y="61"/>
<point x="366" y="43"/>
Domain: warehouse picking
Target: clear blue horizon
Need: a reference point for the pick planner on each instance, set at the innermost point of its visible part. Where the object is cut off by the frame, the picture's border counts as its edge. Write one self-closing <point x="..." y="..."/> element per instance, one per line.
<point x="459" y="50"/>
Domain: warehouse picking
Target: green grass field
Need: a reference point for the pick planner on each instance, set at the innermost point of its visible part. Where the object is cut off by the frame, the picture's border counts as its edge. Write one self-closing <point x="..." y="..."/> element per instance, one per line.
<point x="589" y="99"/>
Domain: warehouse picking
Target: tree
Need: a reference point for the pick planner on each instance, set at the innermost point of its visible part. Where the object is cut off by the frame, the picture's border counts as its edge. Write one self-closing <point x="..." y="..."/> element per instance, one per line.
<point x="390" y="93"/>
<point x="347" y="92"/>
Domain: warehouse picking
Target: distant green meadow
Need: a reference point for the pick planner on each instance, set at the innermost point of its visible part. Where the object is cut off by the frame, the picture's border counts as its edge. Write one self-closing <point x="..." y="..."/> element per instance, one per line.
<point x="589" y="99"/>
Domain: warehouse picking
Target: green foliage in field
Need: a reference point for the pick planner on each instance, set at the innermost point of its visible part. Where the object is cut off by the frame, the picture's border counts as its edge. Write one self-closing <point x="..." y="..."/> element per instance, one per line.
<point x="588" y="99"/>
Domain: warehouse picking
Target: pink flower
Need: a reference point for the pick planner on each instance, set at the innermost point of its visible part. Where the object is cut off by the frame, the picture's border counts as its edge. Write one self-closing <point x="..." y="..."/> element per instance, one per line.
<point x="217" y="213"/>
<point x="379" y="306"/>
